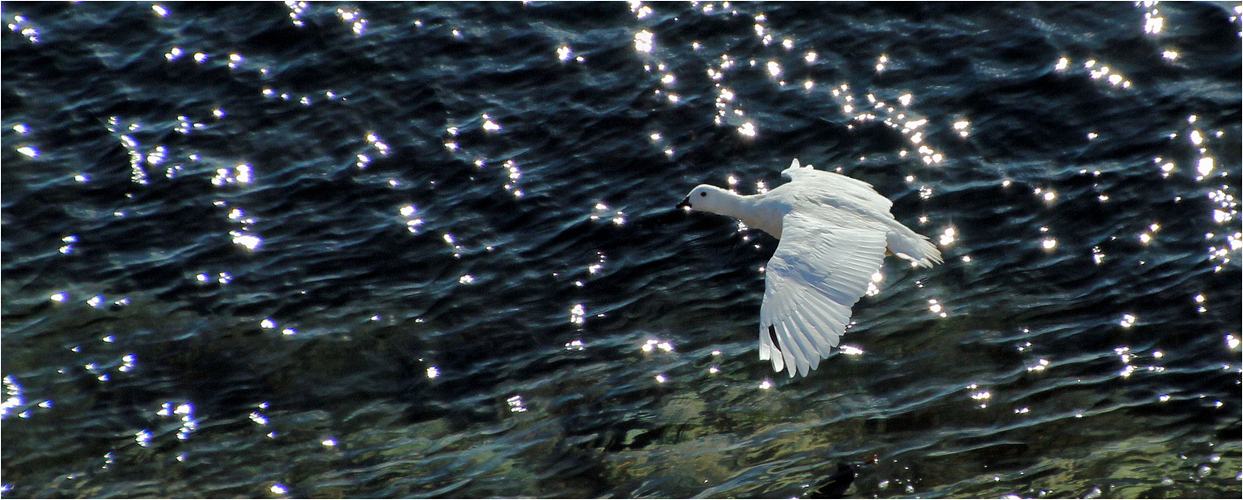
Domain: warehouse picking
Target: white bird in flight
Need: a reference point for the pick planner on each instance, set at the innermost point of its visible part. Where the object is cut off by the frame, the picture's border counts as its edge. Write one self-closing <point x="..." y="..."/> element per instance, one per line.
<point x="834" y="232"/>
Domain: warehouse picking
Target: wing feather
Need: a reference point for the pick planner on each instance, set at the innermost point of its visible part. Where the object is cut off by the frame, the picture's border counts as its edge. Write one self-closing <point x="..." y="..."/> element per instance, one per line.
<point x="824" y="340"/>
<point x="820" y="269"/>
<point x="825" y="182"/>
<point x="811" y="342"/>
<point x="791" y="347"/>
<point x="779" y="361"/>
<point x="804" y="345"/>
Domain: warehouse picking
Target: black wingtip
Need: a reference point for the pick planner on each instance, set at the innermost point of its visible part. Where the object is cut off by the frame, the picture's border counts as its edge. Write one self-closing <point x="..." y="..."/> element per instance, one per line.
<point x="772" y="335"/>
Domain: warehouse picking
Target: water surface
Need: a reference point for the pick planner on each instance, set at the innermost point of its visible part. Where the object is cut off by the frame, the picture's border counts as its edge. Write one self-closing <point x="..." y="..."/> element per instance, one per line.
<point x="404" y="249"/>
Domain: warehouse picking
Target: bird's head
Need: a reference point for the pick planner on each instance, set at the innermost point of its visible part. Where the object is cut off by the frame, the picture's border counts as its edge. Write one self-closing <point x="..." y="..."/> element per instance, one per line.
<point x="708" y="198"/>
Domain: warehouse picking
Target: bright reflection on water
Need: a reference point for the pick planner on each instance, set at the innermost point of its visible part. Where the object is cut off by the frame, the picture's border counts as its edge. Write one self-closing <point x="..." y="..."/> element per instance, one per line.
<point x="23" y="26"/>
<point x="644" y="41"/>
<point x="354" y="18"/>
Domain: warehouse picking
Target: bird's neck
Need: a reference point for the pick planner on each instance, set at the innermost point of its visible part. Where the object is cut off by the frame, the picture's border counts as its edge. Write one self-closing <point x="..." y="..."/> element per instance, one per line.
<point x="752" y="211"/>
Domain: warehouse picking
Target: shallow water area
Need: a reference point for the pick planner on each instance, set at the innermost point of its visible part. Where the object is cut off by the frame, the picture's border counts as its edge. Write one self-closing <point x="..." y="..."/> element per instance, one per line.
<point x="407" y="249"/>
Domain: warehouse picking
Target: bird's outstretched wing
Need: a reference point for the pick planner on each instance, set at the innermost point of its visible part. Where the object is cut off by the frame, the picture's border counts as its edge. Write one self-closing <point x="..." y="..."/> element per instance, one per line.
<point x="836" y="188"/>
<point x="820" y="269"/>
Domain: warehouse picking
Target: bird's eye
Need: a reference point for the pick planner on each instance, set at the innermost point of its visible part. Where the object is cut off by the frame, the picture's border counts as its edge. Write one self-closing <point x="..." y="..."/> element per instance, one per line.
<point x="703" y="193"/>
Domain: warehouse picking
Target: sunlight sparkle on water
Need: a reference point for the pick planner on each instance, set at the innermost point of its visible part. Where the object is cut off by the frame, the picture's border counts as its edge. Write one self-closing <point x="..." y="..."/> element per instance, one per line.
<point x="961" y="127"/>
<point x="13" y="396"/>
<point x="1205" y="165"/>
<point x="354" y="18"/>
<point x="849" y="350"/>
<point x="642" y="11"/>
<point x="578" y="314"/>
<point x="241" y="174"/>
<point x="644" y="41"/>
<point x="1152" y="23"/>
<point x="127" y="362"/>
<point x="515" y="404"/>
<point x="774" y="68"/>
<point x="247" y="241"/>
<point x="375" y="141"/>
<point x="1128" y="320"/>
<point x="949" y="236"/>
<point x="653" y="344"/>
<point x="20" y="25"/>
<point x="143" y="437"/>
<point x="489" y="125"/>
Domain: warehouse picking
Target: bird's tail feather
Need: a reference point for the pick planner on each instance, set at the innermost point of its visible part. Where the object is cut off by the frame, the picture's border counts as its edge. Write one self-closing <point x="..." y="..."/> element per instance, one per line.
<point x="914" y="247"/>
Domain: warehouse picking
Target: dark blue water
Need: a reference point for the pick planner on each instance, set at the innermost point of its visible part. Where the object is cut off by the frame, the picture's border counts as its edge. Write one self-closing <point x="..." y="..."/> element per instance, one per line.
<point x="381" y="250"/>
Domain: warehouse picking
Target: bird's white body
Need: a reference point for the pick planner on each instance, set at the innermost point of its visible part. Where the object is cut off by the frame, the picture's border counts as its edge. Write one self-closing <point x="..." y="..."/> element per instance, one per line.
<point x="834" y="232"/>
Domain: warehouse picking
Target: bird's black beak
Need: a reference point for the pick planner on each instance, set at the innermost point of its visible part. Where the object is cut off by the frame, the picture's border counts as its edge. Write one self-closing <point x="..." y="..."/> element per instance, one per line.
<point x="686" y="203"/>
